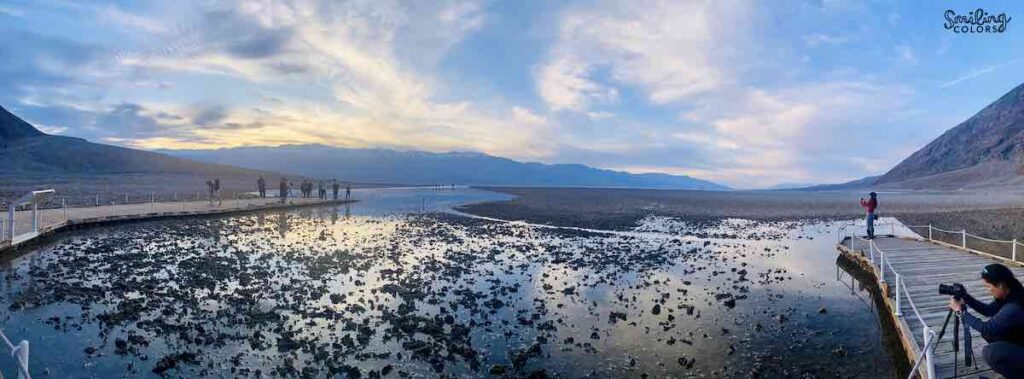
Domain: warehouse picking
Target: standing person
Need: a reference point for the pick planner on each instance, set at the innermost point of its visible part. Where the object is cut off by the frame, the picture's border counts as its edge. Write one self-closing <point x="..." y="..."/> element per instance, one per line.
<point x="210" y="188"/>
<point x="334" y="188"/>
<point x="321" y="188"/>
<point x="870" y="206"/>
<point x="282" y="190"/>
<point x="261" y="186"/>
<point x="348" y="192"/>
<point x="216" y="191"/>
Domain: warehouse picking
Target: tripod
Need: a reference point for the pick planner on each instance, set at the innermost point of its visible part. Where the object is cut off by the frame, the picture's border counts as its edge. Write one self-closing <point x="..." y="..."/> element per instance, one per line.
<point x="968" y="351"/>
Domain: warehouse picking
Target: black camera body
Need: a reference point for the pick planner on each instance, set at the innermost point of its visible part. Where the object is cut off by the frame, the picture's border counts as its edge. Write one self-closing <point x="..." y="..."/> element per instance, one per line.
<point x="956" y="290"/>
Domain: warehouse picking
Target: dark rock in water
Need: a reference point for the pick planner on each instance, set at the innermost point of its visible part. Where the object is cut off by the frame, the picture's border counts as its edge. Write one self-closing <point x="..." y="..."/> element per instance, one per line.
<point x="498" y="370"/>
<point x="171" y="361"/>
<point x="614" y="317"/>
<point x="731" y="303"/>
<point x="839" y="352"/>
<point x="686" y="362"/>
<point x="595" y="336"/>
<point x="120" y="347"/>
<point x="90" y="350"/>
<point x="656" y="310"/>
<point x="519" y="358"/>
<point x="822" y="310"/>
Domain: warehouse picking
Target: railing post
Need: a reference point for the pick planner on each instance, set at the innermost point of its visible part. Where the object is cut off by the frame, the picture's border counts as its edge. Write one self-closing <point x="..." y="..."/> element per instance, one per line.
<point x="126" y="198"/>
<point x="881" y="265"/>
<point x="964" y="239"/>
<point x="899" y="311"/>
<point x="871" y="248"/>
<point x="1014" y="250"/>
<point x="21" y="354"/>
<point x="152" y="201"/>
<point x="64" y="204"/>
<point x="97" y="200"/>
<point x="35" y="217"/>
<point x="929" y="232"/>
<point x="929" y="366"/>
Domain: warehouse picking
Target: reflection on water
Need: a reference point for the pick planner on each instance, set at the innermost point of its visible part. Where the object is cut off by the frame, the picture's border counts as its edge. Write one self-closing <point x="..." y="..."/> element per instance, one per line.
<point x="372" y="290"/>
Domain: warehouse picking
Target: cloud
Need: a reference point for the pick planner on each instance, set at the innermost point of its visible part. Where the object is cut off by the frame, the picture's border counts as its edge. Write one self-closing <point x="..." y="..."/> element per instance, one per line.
<point x="905" y="55"/>
<point x="817" y="39"/>
<point x="978" y="72"/>
<point x="668" y="50"/>
<point x="526" y="116"/>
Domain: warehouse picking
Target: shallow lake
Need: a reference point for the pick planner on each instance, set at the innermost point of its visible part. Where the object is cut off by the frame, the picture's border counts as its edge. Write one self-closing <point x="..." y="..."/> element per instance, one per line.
<point x="397" y="286"/>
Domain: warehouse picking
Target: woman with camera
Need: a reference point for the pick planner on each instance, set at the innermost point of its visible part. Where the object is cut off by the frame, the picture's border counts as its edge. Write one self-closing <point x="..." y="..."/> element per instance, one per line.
<point x="1004" y="330"/>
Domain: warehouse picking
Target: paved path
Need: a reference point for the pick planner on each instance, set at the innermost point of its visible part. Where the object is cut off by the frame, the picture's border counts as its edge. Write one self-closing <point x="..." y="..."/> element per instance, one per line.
<point x="922" y="266"/>
<point x="53" y="219"/>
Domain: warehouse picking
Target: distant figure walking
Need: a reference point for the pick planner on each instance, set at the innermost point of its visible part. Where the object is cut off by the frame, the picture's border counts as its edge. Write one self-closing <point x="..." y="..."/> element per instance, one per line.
<point x="334" y="188"/>
<point x="261" y="186"/>
<point x="282" y="190"/>
<point x="870" y="206"/>
<point x="348" y="192"/>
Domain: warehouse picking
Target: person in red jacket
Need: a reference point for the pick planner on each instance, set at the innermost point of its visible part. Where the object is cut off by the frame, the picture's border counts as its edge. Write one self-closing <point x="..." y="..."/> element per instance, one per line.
<point x="870" y="206"/>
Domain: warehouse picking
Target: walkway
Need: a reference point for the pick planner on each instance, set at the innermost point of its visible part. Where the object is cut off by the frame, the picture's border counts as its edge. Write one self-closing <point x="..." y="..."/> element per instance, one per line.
<point x="51" y="220"/>
<point x="922" y="265"/>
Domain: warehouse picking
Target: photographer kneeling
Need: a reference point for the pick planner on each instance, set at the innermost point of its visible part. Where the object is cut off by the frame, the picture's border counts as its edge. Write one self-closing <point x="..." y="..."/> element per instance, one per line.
<point x="1004" y="330"/>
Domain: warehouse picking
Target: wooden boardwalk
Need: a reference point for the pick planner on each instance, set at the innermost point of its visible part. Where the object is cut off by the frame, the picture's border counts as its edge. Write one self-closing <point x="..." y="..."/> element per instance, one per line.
<point x="51" y="220"/>
<point x="922" y="266"/>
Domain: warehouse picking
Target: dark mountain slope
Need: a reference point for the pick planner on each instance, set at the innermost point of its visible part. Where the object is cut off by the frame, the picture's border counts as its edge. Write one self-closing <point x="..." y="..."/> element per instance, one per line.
<point x="27" y="151"/>
<point x="985" y="150"/>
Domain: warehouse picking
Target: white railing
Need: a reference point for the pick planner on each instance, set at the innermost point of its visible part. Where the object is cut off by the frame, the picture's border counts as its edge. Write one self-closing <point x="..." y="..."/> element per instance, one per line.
<point x="1012" y="245"/>
<point x="20" y="353"/>
<point x="881" y="265"/>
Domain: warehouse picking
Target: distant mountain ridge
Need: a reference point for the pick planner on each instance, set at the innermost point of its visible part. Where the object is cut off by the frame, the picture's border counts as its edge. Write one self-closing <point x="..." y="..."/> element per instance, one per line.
<point x="24" y="150"/>
<point x="416" y="167"/>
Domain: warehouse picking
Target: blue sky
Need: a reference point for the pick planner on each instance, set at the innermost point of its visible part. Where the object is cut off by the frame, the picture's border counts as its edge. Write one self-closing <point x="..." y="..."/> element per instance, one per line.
<point x="749" y="94"/>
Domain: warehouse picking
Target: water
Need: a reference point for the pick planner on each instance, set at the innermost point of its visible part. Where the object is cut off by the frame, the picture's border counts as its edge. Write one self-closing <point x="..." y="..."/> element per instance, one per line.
<point x="374" y="289"/>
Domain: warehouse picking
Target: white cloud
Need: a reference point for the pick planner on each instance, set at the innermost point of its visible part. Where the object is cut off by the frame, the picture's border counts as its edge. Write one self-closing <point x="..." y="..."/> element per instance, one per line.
<point x="817" y="39"/>
<point x="906" y="55"/>
<point x="527" y="117"/>
<point x="667" y="49"/>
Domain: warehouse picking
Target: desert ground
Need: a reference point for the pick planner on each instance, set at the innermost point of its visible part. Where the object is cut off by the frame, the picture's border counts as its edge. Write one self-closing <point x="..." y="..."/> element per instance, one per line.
<point x="995" y="214"/>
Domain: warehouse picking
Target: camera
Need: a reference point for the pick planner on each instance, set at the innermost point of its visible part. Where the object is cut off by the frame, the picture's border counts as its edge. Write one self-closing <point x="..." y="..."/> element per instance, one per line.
<point x="956" y="290"/>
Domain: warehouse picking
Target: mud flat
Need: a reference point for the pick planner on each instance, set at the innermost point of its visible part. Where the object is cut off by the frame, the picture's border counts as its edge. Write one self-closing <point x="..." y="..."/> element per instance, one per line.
<point x="316" y="293"/>
<point x="623" y="208"/>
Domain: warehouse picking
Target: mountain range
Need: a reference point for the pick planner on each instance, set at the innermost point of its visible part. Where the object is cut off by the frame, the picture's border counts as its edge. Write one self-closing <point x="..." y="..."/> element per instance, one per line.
<point x="26" y="151"/>
<point x="417" y="167"/>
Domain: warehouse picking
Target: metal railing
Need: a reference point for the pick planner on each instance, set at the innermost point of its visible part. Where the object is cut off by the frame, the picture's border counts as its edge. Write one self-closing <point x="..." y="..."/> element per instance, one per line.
<point x="1005" y="250"/>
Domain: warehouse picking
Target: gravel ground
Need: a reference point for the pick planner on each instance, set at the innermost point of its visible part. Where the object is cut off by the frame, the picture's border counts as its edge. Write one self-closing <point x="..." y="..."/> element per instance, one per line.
<point x="622" y="208"/>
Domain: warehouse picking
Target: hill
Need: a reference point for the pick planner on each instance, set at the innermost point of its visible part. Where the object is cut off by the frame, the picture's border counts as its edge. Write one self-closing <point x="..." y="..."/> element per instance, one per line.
<point x="27" y="151"/>
<point x="986" y="150"/>
<point x="415" y="167"/>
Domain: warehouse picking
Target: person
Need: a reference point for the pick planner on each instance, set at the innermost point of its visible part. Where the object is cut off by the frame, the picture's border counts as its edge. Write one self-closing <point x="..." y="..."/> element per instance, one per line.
<point x="348" y="192"/>
<point x="334" y="188"/>
<point x="261" y="186"/>
<point x="210" y="188"/>
<point x="321" y="189"/>
<point x="870" y="206"/>
<point x="1004" y="329"/>
<point x="216" y="191"/>
<point x="282" y="190"/>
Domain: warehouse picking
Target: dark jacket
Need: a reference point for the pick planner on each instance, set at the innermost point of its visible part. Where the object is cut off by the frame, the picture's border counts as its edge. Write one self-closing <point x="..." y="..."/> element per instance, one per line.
<point x="1006" y="319"/>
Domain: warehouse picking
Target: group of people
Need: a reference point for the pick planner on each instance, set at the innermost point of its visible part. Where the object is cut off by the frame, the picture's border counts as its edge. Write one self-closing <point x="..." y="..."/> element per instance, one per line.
<point x="1004" y="328"/>
<point x="306" y="188"/>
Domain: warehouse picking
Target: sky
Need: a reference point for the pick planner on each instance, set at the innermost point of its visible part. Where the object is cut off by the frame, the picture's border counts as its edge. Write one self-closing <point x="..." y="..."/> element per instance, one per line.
<point x="750" y="94"/>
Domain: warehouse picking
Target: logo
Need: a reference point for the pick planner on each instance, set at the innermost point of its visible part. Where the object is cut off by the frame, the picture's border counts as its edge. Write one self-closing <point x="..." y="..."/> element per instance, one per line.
<point x="977" y="21"/>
